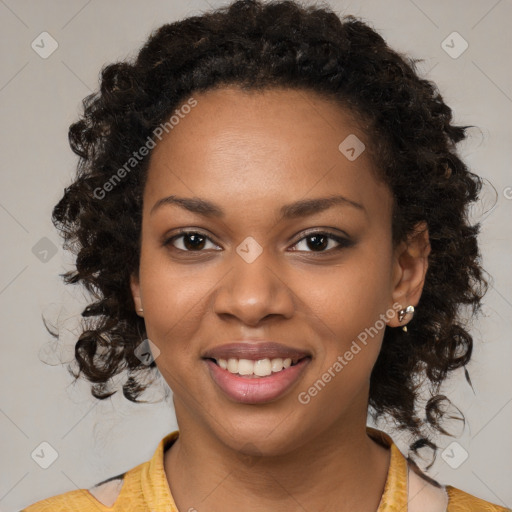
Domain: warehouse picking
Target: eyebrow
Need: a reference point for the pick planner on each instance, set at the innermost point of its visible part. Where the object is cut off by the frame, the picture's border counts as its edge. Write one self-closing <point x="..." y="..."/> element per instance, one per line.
<point x="301" y="208"/>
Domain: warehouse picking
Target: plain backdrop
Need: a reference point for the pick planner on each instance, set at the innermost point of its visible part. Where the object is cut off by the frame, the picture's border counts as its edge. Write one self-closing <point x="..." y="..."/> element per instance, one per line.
<point x="39" y="99"/>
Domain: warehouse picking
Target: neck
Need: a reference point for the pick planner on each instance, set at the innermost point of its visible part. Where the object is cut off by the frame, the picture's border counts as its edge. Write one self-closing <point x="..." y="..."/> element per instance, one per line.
<point x="335" y="470"/>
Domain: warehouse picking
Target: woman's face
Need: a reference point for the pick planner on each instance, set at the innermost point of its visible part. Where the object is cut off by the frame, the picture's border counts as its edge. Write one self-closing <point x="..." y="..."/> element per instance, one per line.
<point x="289" y="243"/>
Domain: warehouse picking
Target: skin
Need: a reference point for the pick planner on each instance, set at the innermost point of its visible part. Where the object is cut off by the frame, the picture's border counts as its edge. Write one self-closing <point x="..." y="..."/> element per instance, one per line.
<point x="251" y="154"/>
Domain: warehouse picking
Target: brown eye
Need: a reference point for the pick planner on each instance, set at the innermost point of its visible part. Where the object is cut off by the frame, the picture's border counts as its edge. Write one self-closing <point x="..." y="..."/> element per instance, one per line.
<point x="190" y="241"/>
<point x="319" y="242"/>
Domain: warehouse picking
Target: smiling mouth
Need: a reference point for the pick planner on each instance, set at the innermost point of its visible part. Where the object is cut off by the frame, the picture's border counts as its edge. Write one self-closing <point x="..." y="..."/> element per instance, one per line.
<point x="256" y="368"/>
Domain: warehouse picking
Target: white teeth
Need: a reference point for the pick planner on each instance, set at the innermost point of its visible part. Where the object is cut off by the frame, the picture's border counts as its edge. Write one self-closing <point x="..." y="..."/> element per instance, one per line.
<point x="260" y="368"/>
<point x="245" y="367"/>
<point x="277" y="364"/>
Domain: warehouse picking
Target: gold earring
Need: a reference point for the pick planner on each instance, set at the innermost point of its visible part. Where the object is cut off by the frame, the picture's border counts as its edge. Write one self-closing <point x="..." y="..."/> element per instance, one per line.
<point x="402" y="313"/>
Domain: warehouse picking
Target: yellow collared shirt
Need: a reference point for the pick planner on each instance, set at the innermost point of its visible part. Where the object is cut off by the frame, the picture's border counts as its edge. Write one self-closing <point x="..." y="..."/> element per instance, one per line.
<point x="144" y="488"/>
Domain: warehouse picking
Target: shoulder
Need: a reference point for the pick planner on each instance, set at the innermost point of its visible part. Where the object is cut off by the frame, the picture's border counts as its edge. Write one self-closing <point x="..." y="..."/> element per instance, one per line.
<point x="138" y="489"/>
<point x="101" y="497"/>
<point x="428" y="495"/>
<point x="73" y="500"/>
<point x="460" y="501"/>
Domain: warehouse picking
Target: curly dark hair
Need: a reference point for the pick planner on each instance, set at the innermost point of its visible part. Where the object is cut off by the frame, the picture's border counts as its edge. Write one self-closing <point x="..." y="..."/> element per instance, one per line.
<point x="257" y="45"/>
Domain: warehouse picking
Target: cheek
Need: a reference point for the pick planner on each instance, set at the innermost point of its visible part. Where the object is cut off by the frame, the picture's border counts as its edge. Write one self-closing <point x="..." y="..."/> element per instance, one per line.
<point x="173" y="309"/>
<point x="350" y="337"/>
<point x="349" y="309"/>
<point x="352" y="297"/>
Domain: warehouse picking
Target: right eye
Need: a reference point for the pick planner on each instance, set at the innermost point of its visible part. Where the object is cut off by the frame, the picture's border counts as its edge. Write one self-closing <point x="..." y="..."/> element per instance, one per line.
<point x="189" y="241"/>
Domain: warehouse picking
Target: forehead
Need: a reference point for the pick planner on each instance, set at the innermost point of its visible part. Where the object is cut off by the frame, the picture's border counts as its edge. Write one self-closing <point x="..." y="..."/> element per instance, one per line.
<point x="271" y="119"/>
<point x="263" y="144"/>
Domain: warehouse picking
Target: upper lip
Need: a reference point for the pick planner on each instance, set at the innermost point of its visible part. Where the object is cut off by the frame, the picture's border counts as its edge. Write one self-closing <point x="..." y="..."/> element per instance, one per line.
<point x="254" y="351"/>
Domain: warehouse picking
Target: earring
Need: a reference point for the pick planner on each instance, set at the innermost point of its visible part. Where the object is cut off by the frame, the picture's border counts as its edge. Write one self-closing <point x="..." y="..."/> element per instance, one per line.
<point x="141" y="310"/>
<point x="402" y="313"/>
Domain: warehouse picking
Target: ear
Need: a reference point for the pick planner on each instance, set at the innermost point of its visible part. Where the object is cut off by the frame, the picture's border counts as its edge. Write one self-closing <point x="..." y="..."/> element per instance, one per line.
<point x="409" y="270"/>
<point x="137" y="299"/>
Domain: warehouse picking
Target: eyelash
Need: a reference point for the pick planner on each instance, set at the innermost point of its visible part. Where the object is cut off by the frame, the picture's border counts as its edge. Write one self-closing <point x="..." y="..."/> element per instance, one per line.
<point x="343" y="242"/>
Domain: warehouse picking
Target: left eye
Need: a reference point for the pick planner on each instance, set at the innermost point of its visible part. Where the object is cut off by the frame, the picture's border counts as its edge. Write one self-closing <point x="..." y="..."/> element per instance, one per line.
<point x="322" y="242"/>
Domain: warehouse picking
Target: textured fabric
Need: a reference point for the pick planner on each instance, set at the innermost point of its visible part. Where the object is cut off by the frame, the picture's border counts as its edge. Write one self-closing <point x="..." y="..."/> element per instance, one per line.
<point x="424" y="496"/>
<point x="145" y="489"/>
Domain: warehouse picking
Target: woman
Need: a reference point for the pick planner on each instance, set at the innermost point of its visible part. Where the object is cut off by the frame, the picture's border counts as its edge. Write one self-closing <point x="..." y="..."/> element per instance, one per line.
<point x="270" y="211"/>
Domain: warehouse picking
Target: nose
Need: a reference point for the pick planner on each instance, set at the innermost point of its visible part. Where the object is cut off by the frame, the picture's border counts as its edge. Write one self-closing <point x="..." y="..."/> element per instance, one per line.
<point x="254" y="292"/>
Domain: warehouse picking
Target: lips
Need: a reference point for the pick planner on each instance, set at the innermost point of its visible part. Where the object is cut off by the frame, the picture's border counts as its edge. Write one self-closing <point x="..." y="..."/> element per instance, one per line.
<point x="244" y="386"/>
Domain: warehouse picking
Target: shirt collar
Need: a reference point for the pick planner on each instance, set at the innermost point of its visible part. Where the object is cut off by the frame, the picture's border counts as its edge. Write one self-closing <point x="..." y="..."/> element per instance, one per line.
<point x="394" y="497"/>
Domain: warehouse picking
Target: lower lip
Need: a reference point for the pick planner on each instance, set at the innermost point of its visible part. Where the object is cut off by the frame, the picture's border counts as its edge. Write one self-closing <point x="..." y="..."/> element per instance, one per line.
<point x="256" y="390"/>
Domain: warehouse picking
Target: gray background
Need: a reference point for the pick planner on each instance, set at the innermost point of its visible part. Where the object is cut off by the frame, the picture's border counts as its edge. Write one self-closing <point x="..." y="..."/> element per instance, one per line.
<point x="40" y="97"/>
